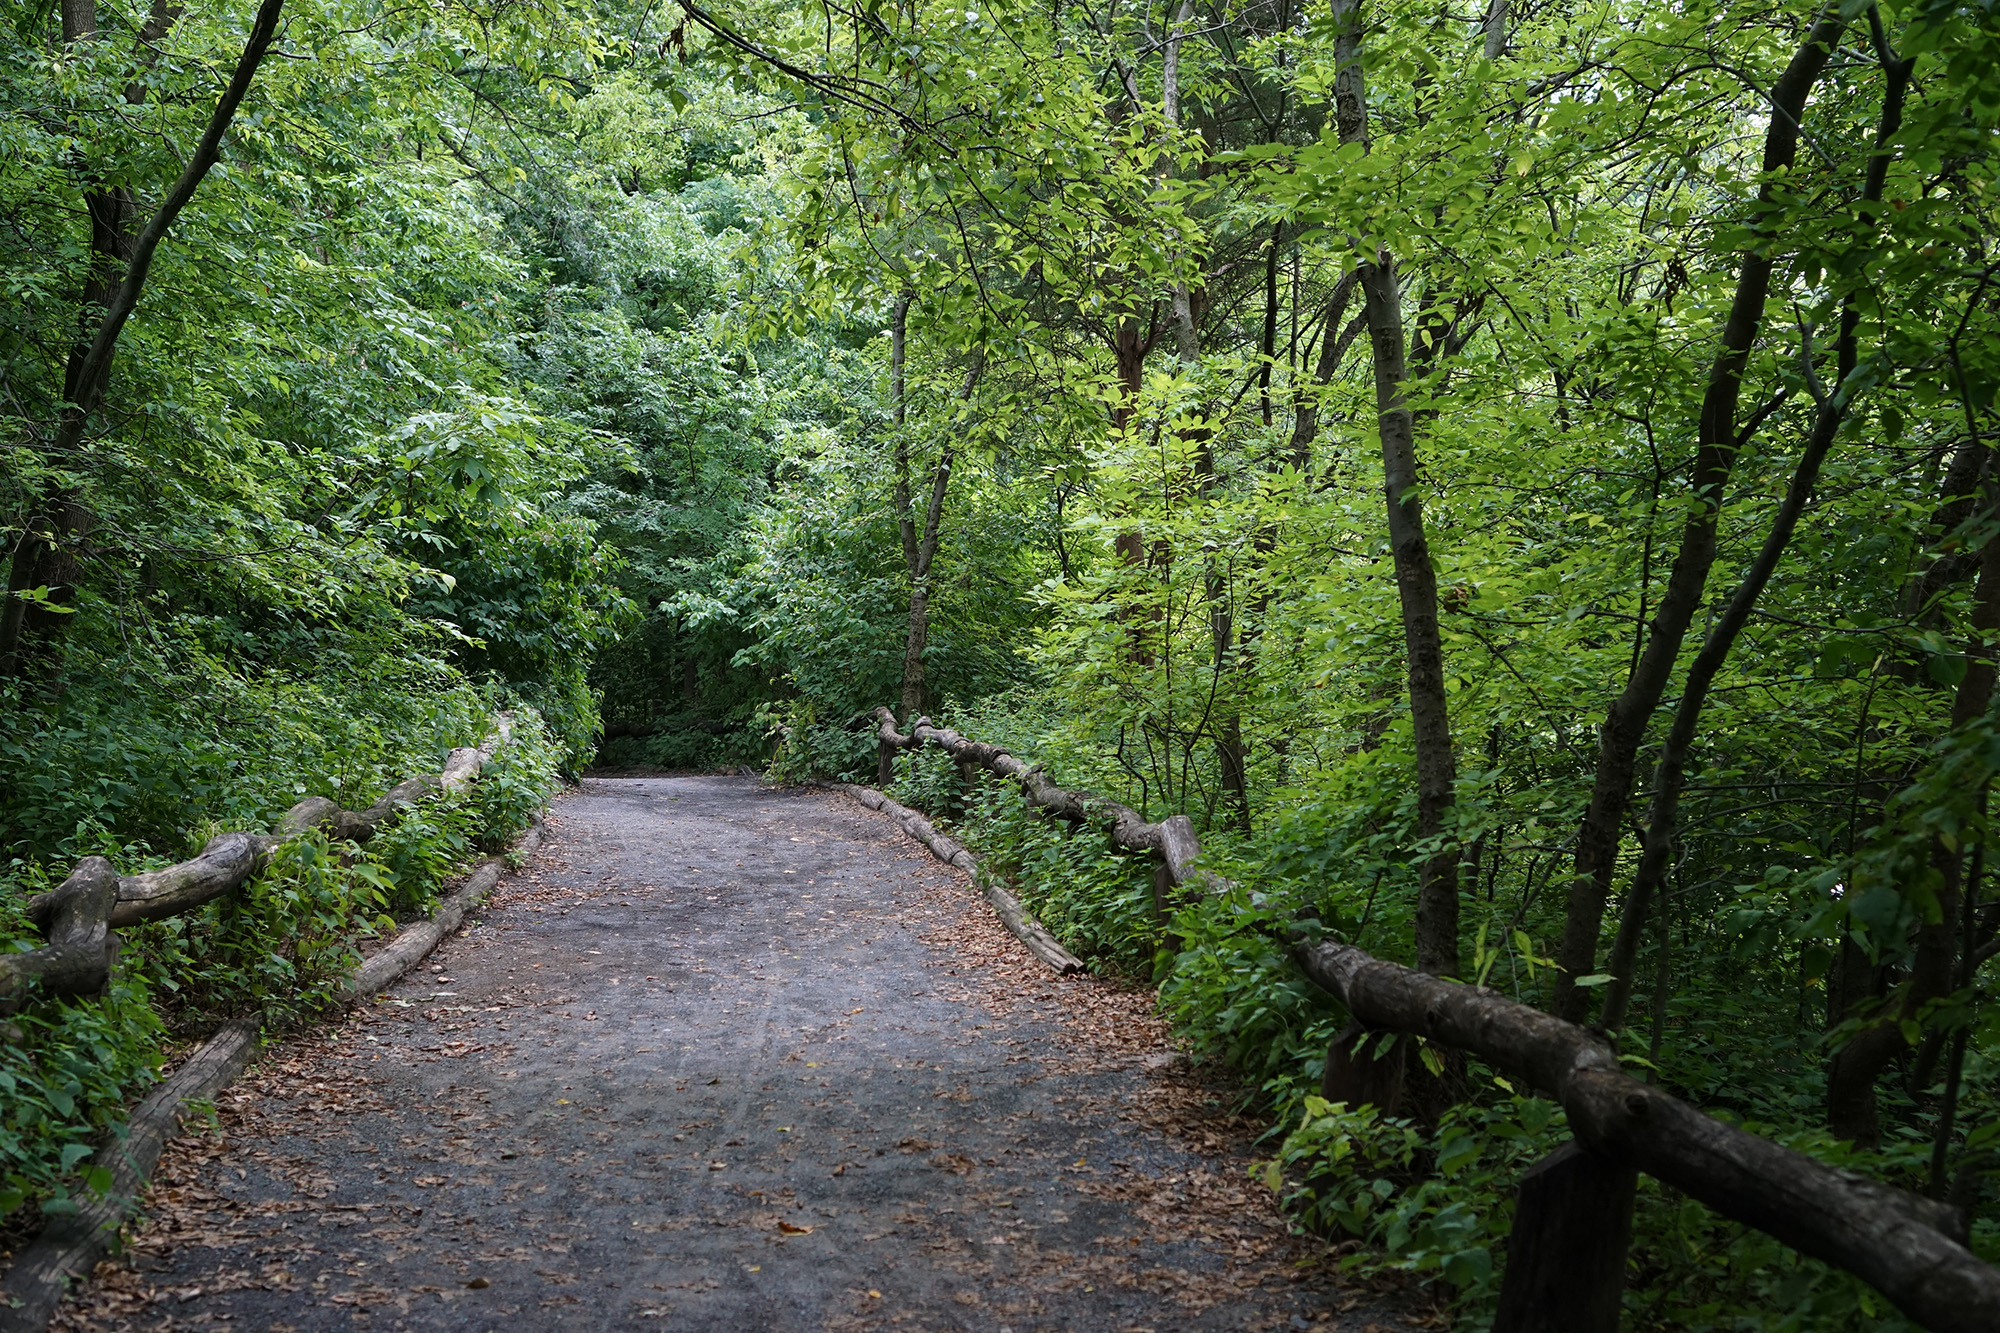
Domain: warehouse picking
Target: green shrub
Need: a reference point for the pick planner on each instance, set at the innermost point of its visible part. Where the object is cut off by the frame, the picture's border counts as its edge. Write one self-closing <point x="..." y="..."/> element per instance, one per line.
<point x="515" y="784"/>
<point x="809" y="747"/>
<point x="281" y="947"/>
<point x="927" y="780"/>
<point x="1428" y="1202"/>
<point x="66" y="1082"/>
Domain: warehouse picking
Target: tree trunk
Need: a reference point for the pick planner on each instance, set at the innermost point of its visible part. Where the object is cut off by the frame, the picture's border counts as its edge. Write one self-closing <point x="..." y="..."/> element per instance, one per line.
<point x="1416" y="582"/>
<point x="1670" y="773"/>
<point x="49" y="555"/>
<point x="1717" y="442"/>
<point x="1851" y="1075"/>
<point x="921" y="550"/>
<point x="1334" y="342"/>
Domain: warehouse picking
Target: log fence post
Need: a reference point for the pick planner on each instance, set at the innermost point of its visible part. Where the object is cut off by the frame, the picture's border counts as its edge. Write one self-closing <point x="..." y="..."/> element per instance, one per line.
<point x="1566" y="1254"/>
<point x="1163" y="887"/>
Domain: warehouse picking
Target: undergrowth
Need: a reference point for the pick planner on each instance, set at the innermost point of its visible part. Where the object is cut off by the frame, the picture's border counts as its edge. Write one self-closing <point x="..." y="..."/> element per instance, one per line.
<point x="281" y="947"/>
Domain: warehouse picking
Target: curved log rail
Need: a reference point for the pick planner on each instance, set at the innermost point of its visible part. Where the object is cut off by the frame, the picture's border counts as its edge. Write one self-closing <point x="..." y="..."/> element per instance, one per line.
<point x="78" y="915"/>
<point x="1911" y="1249"/>
<point x="1006" y="906"/>
<point x="1171" y="841"/>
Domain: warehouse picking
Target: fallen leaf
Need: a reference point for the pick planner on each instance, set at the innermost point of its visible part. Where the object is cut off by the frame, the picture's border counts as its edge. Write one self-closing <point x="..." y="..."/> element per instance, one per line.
<point x="791" y="1230"/>
<point x="479" y="1284"/>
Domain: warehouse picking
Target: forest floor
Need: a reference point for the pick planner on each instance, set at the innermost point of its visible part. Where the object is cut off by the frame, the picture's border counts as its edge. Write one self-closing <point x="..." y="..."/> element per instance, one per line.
<point x="727" y="1058"/>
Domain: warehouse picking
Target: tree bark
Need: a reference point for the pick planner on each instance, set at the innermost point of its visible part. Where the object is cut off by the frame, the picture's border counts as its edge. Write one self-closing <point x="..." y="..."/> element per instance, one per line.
<point x="1416" y="582"/>
<point x="1493" y="41"/>
<point x="1717" y="442"/>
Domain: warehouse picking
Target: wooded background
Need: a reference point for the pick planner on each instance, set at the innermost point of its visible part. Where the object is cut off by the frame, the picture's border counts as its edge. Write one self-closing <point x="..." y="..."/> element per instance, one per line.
<point x="1519" y="479"/>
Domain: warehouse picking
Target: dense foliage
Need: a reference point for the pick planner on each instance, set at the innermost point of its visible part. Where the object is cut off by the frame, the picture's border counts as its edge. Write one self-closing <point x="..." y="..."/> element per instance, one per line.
<point x="1521" y="480"/>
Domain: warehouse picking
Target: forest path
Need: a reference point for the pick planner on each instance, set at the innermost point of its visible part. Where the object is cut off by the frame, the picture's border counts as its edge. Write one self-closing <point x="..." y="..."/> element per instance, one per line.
<point x="724" y="1058"/>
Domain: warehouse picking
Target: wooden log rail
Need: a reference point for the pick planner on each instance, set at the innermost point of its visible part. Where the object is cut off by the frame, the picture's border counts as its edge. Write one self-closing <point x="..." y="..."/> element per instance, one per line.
<point x="1911" y="1249"/>
<point x="94" y="898"/>
<point x="78" y="915"/>
<point x="1005" y="905"/>
<point x="1171" y="841"/>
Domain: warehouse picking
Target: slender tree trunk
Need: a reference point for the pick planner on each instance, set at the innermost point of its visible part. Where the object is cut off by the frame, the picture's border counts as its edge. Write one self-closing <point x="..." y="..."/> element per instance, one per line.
<point x="1495" y="29"/>
<point x="1416" y="583"/>
<point x="1269" y="345"/>
<point x="899" y="412"/>
<point x="49" y="553"/>
<point x="1854" y="1069"/>
<point x="1670" y="773"/>
<point x="921" y="558"/>
<point x="1338" y="336"/>
<point x="1717" y="442"/>
<point x="1186" y="341"/>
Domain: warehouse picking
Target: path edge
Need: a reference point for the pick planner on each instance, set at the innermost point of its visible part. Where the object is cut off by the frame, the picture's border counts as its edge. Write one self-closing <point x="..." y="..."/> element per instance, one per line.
<point x="70" y="1245"/>
<point x="950" y="851"/>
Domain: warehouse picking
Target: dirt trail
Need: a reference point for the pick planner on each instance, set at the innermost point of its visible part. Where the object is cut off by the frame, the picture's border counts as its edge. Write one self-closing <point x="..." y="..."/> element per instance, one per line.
<point x="724" y="1058"/>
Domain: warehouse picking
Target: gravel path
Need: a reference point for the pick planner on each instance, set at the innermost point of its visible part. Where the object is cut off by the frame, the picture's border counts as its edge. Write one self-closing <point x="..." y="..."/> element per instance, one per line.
<point x="724" y="1058"/>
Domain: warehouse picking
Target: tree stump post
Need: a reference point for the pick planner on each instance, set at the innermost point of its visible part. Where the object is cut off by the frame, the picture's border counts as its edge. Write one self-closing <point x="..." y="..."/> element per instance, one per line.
<point x="968" y="783"/>
<point x="1359" y="1072"/>
<point x="885" y="764"/>
<point x="1566" y="1254"/>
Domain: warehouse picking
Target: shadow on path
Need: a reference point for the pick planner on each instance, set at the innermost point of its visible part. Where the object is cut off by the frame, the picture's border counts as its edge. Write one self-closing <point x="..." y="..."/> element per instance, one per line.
<point x="724" y="1058"/>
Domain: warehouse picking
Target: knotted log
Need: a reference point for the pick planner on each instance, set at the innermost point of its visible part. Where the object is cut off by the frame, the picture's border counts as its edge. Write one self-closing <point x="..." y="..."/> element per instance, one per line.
<point x="226" y="862"/>
<point x="73" y="919"/>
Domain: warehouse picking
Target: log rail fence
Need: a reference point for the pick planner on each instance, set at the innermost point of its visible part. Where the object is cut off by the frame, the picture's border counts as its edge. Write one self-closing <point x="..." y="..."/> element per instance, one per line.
<point x="78" y="918"/>
<point x="1573" y="1214"/>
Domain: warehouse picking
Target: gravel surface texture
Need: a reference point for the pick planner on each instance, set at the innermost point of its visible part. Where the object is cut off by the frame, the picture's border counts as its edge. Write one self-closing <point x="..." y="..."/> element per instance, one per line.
<point x="726" y="1058"/>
